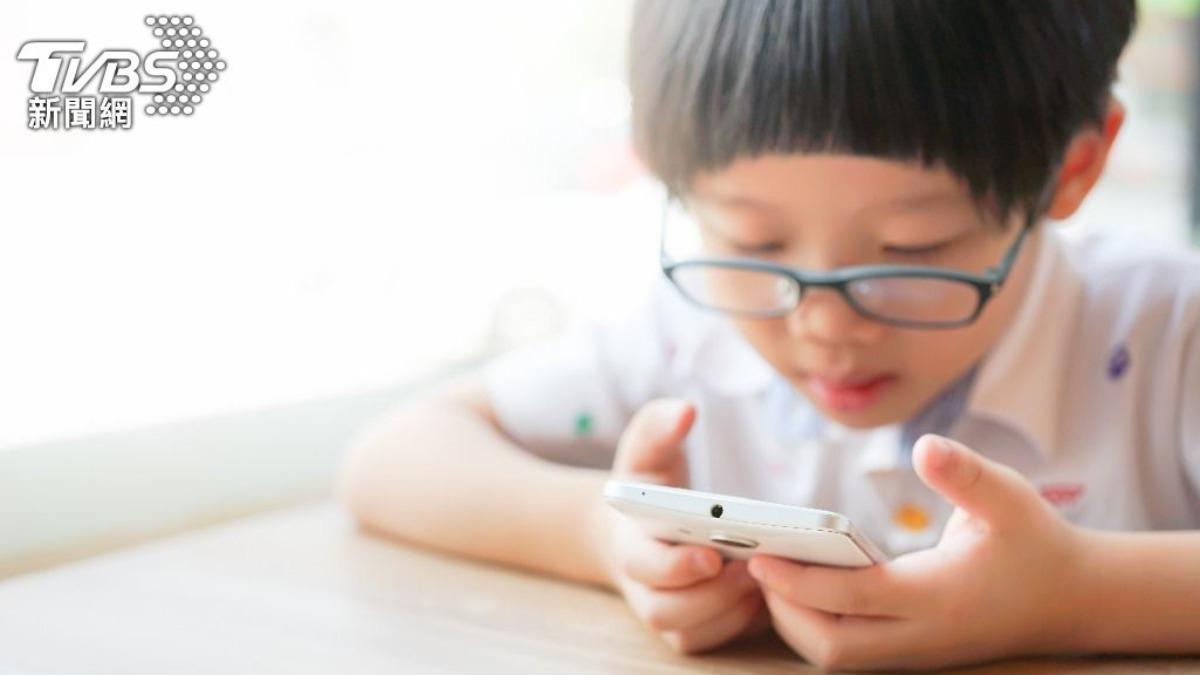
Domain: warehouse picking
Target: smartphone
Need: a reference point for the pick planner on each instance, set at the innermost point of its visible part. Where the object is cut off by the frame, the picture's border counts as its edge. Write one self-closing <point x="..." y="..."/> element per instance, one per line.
<point x="740" y="527"/>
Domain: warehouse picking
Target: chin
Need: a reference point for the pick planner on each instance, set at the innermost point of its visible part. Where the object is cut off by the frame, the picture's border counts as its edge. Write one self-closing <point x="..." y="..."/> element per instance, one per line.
<point x="862" y="420"/>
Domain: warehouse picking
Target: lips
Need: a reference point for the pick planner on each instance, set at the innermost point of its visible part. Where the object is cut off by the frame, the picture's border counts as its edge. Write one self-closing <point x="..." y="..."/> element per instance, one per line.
<point x="848" y="393"/>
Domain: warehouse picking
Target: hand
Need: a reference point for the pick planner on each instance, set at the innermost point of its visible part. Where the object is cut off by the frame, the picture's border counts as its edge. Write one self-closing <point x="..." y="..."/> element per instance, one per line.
<point x="686" y="594"/>
<point x="999" y="582"/>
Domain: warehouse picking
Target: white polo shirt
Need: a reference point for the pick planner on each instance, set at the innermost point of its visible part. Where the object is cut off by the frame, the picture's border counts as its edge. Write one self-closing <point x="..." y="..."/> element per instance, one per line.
<point x="1093" y="393"/>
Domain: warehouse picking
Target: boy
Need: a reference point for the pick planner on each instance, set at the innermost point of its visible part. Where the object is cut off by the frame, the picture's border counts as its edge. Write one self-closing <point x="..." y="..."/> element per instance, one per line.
<point x="874" y="175"/>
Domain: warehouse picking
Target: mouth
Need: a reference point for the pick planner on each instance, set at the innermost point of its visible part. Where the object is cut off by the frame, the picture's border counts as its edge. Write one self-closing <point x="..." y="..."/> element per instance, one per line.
<point x="852" y="393"/>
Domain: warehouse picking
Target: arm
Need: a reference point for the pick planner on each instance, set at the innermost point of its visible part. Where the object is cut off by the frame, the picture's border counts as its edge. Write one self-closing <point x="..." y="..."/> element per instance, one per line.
<point x="1140" y="592"/>
<point x="440" y="472"/>
<point x="443" y="474"/>
<point x="1009" y="577"/>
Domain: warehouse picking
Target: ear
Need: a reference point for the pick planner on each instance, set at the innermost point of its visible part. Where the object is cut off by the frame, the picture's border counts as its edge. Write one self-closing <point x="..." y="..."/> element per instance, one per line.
<point x="1084" y="162"/>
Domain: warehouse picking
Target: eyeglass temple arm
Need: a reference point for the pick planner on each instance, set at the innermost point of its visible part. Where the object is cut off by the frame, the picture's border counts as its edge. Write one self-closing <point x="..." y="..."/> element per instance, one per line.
<point x="1001" y="272"/>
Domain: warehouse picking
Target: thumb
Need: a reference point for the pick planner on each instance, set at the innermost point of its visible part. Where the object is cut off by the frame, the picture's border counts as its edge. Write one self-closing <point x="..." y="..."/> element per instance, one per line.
<point x="650" y="447"/>
<point x="987" y="490"/>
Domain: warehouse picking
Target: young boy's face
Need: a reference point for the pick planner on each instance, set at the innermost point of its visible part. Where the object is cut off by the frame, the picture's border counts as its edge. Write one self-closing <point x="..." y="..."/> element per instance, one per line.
<point x="820" y="212"/>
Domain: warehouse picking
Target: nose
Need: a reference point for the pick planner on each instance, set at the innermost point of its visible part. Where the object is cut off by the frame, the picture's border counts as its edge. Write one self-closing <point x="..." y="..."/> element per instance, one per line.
<point x="823" y="315"/>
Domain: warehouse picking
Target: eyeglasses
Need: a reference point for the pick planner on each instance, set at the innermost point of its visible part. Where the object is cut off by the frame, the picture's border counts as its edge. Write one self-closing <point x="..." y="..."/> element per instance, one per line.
<point x="900" y="295"/>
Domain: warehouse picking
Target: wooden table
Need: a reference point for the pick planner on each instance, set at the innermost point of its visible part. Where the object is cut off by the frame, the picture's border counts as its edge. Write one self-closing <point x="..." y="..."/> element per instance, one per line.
<point x="304" y="591"/>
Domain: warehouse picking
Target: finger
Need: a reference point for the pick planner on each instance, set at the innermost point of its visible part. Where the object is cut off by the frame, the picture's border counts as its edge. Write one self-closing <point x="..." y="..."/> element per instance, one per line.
<point x="666" y="566"/>
<point x="651" y="443"/>
<point x="747" y="617"/>
<point x="698" y="604"/>
<point x="868" y="591"/>
<point x="987" y="490"/>
<point x="806" y="631"/>
<point x="761" y="623"/>
<point x="833" y="642"/>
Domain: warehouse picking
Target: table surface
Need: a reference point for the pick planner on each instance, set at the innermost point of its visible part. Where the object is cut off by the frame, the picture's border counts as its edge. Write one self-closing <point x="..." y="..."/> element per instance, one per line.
<point x="303" y="590"/>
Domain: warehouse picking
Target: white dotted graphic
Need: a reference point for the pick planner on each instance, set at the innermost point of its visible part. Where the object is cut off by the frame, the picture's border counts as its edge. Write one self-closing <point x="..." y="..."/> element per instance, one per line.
<point x="198" y="63"/>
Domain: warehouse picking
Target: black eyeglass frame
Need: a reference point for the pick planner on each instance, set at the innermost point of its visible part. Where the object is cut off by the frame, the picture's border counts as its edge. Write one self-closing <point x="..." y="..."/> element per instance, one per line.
<point x="986" y="285"/>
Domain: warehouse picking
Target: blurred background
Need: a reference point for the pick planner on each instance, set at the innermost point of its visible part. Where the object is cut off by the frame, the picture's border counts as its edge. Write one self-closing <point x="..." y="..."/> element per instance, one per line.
<point x="198" y="313"/>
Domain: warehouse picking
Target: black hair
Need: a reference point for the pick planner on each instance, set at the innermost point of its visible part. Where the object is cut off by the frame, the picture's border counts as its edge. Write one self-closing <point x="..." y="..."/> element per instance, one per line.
<point x="993" y="90"/>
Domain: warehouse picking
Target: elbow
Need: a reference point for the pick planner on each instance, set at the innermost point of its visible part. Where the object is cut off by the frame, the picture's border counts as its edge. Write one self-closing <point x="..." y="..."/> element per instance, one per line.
<point x="352" y="487"/>
<point x="381" y="467"/>
<point x="361" y="482"/>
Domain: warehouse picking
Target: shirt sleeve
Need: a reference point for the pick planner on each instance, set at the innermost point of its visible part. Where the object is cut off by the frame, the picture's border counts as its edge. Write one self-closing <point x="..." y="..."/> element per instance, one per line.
<point x="569" y="399"/>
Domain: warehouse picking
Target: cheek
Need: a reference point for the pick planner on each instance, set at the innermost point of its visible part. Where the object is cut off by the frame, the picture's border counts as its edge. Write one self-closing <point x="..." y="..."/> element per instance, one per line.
<point x="930" y="354"/>
<point x="771" y="339"/>
<point x="768" y="336"/>
<point x="927" y="360"/>
<point x="932" y="360"/>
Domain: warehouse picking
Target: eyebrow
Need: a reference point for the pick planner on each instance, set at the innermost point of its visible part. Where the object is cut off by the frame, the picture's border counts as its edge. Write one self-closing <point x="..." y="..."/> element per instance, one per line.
<point x="911" y="202"/>
<point x="915" y="201"/>
<point x="737" y="201"/>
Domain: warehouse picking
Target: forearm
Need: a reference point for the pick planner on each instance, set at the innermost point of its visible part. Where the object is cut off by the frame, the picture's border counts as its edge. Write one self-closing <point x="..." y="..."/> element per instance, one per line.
<point x="441" y="475"/>
<point x="1139" y="593"/>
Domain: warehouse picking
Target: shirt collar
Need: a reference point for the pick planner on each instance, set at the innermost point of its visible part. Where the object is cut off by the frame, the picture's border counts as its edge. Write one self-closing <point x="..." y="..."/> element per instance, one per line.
<point x="939" y="415"/>
<point x="890" y="446"/>
<point x="1020" y="380"/>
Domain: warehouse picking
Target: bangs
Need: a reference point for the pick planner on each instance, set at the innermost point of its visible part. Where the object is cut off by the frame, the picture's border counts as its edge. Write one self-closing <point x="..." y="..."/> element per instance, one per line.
<point x="991" y="91"/>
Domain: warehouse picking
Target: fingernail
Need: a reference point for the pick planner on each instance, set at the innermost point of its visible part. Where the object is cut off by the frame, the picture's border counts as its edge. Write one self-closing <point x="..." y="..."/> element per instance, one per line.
<point x="677" y="413"/>
<point x="670" y="411"/>
<point x="754" y="568"/>
<point x="941" y="453"/>
<point x="705" y="563"/>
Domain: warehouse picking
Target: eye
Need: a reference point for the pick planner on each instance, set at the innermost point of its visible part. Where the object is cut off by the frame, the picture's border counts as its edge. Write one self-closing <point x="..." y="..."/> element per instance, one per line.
<point x="758" y="249"/>
<point x="914" y="250"/>
<point x="918" y="252"/>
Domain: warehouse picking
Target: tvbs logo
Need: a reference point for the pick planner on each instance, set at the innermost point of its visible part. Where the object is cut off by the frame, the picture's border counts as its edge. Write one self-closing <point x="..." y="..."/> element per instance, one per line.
<point x="176" y="78"/>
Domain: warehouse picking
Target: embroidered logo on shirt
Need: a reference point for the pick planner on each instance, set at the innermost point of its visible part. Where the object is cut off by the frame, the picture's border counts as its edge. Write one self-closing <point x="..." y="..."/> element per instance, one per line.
<point x="911" y="517"/>
<point x="1062" y="494"/>
<point x="1118" y="363"/>
<point x="583" y="424"/>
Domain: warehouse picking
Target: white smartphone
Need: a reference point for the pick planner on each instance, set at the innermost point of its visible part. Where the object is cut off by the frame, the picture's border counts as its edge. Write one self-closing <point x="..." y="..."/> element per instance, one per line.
<point x="740" y="527"/>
